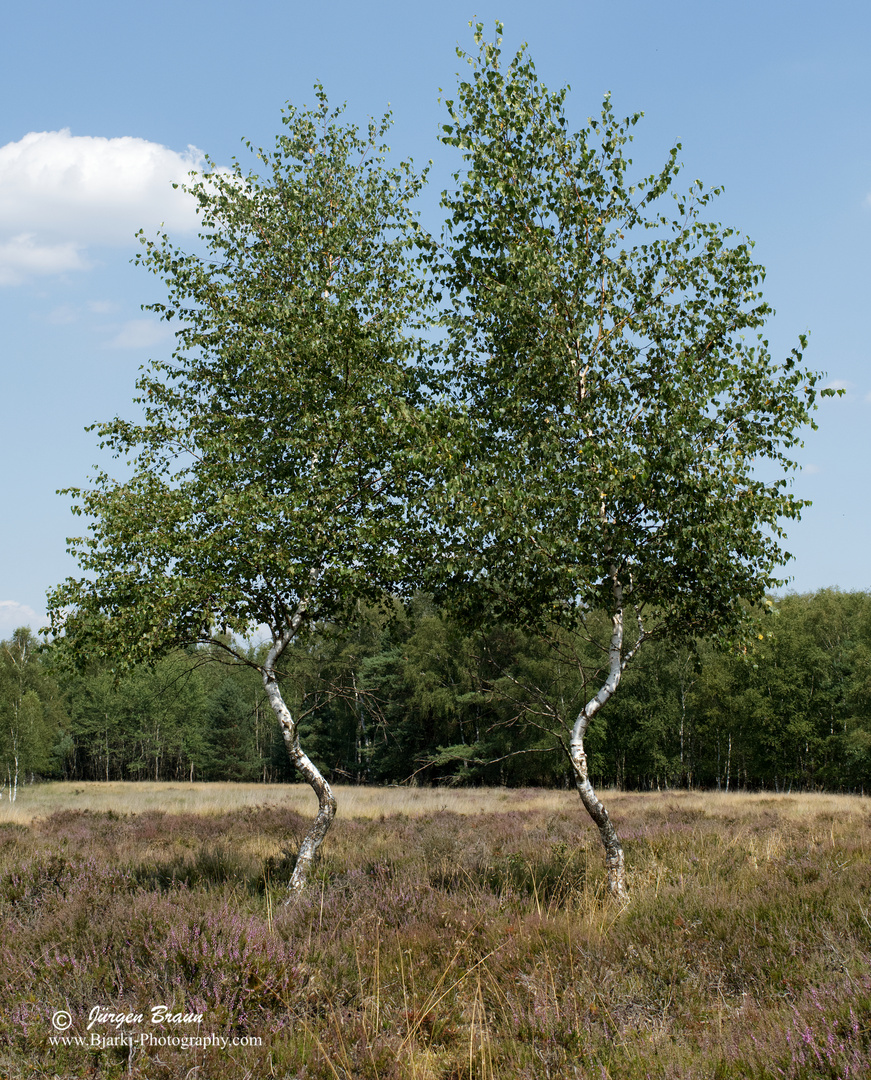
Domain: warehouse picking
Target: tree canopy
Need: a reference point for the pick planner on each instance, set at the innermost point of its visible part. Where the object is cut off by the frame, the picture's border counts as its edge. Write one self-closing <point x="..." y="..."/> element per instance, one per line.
<point x="276" y="447"/>
<point x="617" y="402"/>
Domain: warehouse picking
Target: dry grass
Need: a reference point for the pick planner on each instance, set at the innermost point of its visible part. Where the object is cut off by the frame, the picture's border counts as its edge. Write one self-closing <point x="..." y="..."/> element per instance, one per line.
<point x="121" y="797"/>
<point x="39" y="800"/>
<point x="439" y="945"/>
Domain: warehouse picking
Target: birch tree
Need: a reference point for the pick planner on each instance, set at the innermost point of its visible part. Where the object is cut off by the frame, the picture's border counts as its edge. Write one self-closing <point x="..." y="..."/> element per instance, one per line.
<point x="621" y="436"/>
<point x="31" y="713"/>
<point x="267" y="477"/>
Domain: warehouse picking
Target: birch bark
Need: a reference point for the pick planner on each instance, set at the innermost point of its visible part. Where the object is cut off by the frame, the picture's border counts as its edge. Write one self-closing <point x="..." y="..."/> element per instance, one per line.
<point x="614" y="859"/>
<point x="298" y="757"/>
<point x="326" y="800"/>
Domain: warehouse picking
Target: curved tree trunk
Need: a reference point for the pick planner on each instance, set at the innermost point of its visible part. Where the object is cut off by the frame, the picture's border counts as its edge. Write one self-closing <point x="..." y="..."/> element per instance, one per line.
<point x="614" y="862"/>
<point x="326" y="800"/>
<point x="299" y="758"/>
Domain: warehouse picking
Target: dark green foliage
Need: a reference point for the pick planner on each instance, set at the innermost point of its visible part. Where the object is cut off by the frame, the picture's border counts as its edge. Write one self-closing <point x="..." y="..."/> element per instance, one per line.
<point x="589" y="435"/>
<point x="32" y="714"/>
<point x="413" y="696"/>
<point x="231" y="748"/>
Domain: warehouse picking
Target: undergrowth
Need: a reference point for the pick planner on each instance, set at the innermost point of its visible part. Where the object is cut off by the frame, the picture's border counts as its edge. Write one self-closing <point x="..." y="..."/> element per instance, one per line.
<point x="442" y="947"/>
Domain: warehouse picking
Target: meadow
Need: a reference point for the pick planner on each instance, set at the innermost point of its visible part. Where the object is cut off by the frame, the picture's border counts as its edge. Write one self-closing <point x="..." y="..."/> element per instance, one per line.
<point x="449" y="934"/>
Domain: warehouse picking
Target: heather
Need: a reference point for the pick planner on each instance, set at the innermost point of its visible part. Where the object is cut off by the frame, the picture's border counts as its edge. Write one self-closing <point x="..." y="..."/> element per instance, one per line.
<point x="446" y="945"/>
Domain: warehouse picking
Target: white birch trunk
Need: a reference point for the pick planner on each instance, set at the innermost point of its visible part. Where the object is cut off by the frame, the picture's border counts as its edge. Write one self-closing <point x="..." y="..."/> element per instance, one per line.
<point x="326" y="800"/>
<point x="614" y="861"/>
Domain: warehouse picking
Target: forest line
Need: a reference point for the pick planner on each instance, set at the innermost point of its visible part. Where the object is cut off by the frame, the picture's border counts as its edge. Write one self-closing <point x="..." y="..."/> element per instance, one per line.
<point x="405" y="695"/>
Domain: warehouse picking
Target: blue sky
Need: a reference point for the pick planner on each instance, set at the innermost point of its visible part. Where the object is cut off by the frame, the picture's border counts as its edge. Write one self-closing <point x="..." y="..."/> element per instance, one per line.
<point x="106" y="104"/>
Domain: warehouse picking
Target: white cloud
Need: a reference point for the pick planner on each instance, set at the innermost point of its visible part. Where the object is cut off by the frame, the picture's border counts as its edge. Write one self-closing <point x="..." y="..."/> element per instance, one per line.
<point x="23" y="256"/>
<point x="140" y="334"/>
<point x="13" y="615"/>
<point x="60" y="193"/>
<point x="101" y="307"/>
<point x="63" y="315"/>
